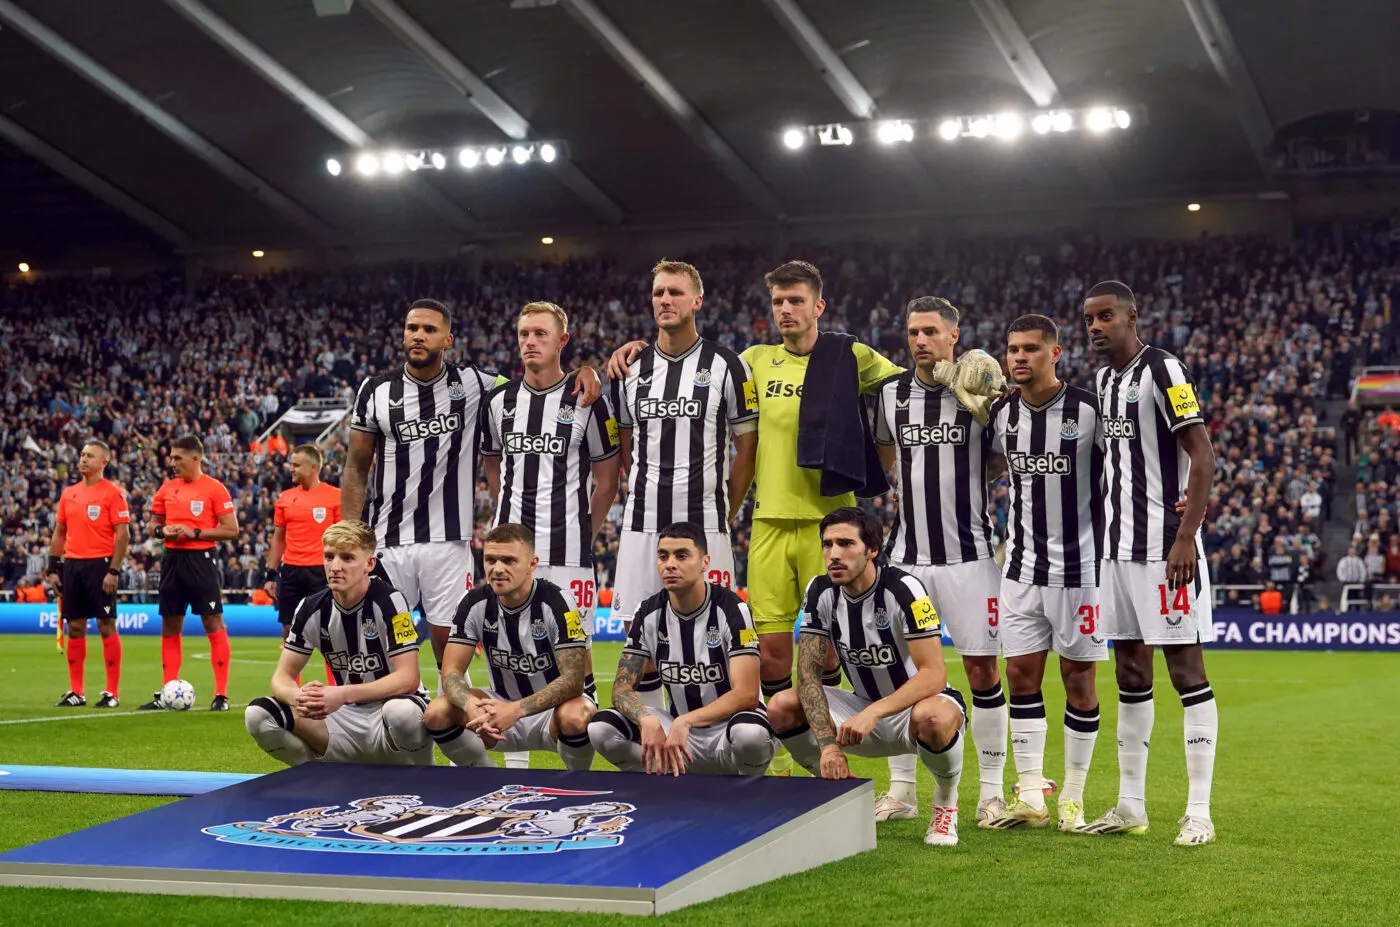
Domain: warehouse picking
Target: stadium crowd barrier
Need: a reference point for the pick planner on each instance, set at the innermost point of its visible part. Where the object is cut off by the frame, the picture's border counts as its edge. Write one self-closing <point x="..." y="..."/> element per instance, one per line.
<point x="1235" y="628"/>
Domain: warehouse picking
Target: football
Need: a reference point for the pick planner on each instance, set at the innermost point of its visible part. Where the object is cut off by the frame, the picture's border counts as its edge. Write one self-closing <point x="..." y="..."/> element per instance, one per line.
<point x="177" y="695"/>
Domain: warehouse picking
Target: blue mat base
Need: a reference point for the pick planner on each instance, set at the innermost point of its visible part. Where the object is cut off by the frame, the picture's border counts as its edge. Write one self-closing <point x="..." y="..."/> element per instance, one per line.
<point x="115" y="781"/>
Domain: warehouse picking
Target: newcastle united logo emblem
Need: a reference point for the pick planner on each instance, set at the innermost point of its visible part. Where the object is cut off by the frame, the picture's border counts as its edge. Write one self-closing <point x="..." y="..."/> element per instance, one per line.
<point x="1069" y="430"/>
<point x="702" y="378"/>
<point x="457" y="390"/>
<point x="566" y="415"/>
<point x="1133" y="393"/>
<point x="494" y="824"/>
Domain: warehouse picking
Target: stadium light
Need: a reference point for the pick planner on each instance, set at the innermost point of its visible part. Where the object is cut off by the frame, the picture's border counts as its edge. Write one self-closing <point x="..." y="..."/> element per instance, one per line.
<point x="495" y="156"/>
<point x="413" y="161"/>
<point x="258" y="253"/>
<point x="1064" y="122"/>
<point x="949" y="129"/>
<point x="439" y="161"/>
<point x="834" y="134"/>
<point x="520" y="154"/>
<point x="894" y="130"/>
<point x="1007" y="126"/>
<point x="368" y="165"/>
<point x="547" y="240"/>
<point x="794" y="138"/>
<point x="548" y="153"/>
<point x="980" y="127"/>
<point x="23" y="267"/>
<point x="469" y="158"/>
<point x="1099" y="119"/>
<point x="1042" y="123"/>
<point x="333" y="167"/>
<point x="1193" y="207"/>
<point x="393" y="163"/>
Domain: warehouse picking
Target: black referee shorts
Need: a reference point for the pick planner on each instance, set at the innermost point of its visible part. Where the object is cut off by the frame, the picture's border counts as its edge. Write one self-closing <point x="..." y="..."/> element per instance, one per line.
<point x="82" y="590"/>
<point x="190" y="579"/>
<point x="295" y="583"/>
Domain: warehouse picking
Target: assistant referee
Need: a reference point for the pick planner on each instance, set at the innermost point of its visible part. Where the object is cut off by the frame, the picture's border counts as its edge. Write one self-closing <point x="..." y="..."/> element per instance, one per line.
<point x="295" y="559"/>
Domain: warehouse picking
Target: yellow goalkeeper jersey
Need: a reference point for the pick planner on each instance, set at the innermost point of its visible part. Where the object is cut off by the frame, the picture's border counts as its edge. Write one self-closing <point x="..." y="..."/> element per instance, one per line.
<point x="785" y="490"/>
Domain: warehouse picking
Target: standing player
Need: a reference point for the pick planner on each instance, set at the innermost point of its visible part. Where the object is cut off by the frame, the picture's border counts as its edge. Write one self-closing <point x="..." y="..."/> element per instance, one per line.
<point x="1155" y="586"/>
<point x="681" y="406"/>
<point x="85" y="557"/>
<point x="362" y="626"/>
<point x="191" y="512"/>
<point x="1049" y="434"/>
<point x="701" y="639"/>
<point x="535" y="642"/>
<point x="295" y="559"/>
<point x="943" y="535"/>
<point x="548" y="445"/>
<point x="889" y="640"/>
<point x="417" y="428"/>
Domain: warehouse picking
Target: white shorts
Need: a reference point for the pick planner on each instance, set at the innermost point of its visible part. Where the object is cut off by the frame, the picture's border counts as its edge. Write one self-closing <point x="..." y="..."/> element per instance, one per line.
<point x="530" y="733"/>
<point x="892" y="735"/>
<point x="710" y="747"/>
<point x="436" y="573"/>
<point x="357" y="735"/>
<point x="580" y="583"/>
<point x="1037" y="619"/>
<point x="1138" y="606"/>
<point x="637" y="580"/>
<point x="965" y="597"/>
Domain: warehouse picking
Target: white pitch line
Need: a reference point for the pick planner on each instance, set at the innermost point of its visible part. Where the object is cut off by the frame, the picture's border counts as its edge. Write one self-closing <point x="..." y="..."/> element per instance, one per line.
<point x="97" y="716"/>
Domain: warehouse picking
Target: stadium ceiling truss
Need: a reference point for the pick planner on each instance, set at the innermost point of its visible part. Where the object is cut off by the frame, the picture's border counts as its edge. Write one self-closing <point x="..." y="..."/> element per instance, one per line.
<point x="1176" y="81"/>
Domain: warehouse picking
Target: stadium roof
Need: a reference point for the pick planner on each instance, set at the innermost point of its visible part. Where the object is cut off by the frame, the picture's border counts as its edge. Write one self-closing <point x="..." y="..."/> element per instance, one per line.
<point x="208" y="123"/>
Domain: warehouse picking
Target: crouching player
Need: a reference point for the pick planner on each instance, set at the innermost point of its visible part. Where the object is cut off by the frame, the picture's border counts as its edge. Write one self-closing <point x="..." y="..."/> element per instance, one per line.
<point x="363" y="627"/>
<point x="536" y="646"/>
<point x="889" y="640"/>
<point x="702" y="640"/>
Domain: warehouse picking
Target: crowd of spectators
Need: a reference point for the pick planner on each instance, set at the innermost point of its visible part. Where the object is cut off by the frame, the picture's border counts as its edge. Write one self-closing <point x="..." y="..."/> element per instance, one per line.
<point x="1271" y="333"/>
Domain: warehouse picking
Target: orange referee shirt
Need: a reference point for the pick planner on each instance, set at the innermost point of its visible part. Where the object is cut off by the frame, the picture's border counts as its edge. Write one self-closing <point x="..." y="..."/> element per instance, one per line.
<point x="194" y="505"/>
<point x="306" y="515"/>
<point x="90" y="515"/>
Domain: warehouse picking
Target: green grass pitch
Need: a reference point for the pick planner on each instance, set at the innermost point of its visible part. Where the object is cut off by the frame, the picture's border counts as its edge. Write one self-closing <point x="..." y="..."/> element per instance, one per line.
<point x="1309" y="744"/>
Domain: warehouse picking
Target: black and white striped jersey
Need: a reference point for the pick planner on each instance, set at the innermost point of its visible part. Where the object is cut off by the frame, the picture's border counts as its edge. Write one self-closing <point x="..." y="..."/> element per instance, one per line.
<point x="548" y="444"/>
<point x="871" y="631"/>
<point x="942" y="473"/>
<point x="520" y="643"/>
<point x="1144" y="405"/>
<point x="681" y="411"/>
<point x="357" y="642"/>
<point x="424" y="483"/>
<point x="692" y="652"/>
<point x="1054" y="461"/>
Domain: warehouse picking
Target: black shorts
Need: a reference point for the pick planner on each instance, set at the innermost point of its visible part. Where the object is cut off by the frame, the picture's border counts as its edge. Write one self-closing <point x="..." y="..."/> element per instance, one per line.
<point x="190" y="579"/>
<point x="82" y="590"/>
<point x="295" y="583"/>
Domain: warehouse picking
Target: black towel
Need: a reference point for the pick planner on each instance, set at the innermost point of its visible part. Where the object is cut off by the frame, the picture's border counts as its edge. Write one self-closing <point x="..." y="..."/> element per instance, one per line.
<point x="833" y="430"/>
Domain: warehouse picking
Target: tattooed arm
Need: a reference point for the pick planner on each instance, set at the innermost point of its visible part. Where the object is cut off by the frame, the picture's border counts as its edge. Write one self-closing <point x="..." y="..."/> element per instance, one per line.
<point x="569" y="683"/>
<point x="455" y="660"/>
<point x="811" y="661"/>
<point x="624" y="692"/>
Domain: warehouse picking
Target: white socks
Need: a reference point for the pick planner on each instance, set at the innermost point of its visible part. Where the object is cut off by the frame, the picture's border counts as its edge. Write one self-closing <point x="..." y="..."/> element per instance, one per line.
<point x="1202" y="728"/>
<point x="1136" y="714"/>
<point x="989" y="725"/>
<point x="1028" y="728"/>
<point x="1081" y="731"/>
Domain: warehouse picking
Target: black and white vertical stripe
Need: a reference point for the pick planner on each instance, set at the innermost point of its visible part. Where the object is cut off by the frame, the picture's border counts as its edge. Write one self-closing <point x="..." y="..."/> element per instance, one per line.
<point x="520" y="643"/>
<point x="681" y="410"/>
<point x="692" y="652"/>
<point x="871" y="631"/>
<point x="548" y="444"/>
<point x="1054" y="465"/>
<point x="942" y="474"/>
<point x="424" y="483"/>
<point x="1145" y="466"/>
<point x="358" y="642"/>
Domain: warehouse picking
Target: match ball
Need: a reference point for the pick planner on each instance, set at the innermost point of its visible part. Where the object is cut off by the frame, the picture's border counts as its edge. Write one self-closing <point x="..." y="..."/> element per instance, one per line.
<point x="177" y="695"/>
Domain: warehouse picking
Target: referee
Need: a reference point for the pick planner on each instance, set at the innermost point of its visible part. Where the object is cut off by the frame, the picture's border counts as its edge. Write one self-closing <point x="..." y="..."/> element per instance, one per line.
<point x="295" y="560"/>
<point x="85" y="557"/>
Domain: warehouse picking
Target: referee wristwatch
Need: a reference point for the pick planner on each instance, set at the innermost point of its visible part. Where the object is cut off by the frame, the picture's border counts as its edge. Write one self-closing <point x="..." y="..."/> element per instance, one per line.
<point x="112" y="572"/>
<point x="197" y="533"/>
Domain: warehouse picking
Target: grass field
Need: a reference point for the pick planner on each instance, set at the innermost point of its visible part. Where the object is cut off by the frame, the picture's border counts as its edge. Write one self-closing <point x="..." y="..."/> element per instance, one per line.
<point x="1307" y="742"/>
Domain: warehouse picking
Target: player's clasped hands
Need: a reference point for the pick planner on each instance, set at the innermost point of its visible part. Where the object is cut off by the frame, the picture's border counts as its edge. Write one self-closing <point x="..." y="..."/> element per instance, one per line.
<point x="317" y="701"/>
<point x="664" y="753"/>
<point x="833" y="763"/>
<point x="855" y="729"/>
<point x="495" y="717"/>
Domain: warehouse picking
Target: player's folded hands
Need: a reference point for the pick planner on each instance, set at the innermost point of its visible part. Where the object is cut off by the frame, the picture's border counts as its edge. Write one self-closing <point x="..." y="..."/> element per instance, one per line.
<point x="833" y="763"/>
<point x="856" y="728"/>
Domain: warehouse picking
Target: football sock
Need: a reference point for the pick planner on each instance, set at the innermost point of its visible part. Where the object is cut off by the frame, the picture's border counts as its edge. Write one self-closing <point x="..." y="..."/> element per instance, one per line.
<point x="112" y="656"/>
<point x="1081" y="731"/>
<point x="771" y="687"/>
<point x="461" y="746"/>
<point x="1201" y="727"/>
<point x="989" y="725"/>
<point x="651" y="692"/>
<point x="519" y="759"/>
<point x="576" y="750"/>
<point x="1028" y="727"/>
<point x="77" y="656"/>
<point x="1136" y="713"/>
<point x="269" y="723"/>
<point x="610" y="734"/>
<point x="803" y="746"/>
<point x="946" y="767"/>
<point x="170" y="656"/>
<point x="902" y="769"/>
<point x="218" y="657"/>
<point x="832" y="677"/>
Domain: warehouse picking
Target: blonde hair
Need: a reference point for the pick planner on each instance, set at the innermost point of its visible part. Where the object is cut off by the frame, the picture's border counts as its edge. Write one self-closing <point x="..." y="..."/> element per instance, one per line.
<point x="544" y="308"/>
<point x="311" y="452"/>
<point x="664" y="266"/>
<point x="352" y="535"/>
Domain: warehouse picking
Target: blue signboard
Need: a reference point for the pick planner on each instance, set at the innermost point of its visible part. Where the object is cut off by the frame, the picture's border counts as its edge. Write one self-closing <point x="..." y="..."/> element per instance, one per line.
<point x="1246" y="629"/>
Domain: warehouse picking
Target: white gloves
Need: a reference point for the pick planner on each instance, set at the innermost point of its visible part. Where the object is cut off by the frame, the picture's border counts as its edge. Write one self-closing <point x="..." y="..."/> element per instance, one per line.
<point x="975" y="380"/>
